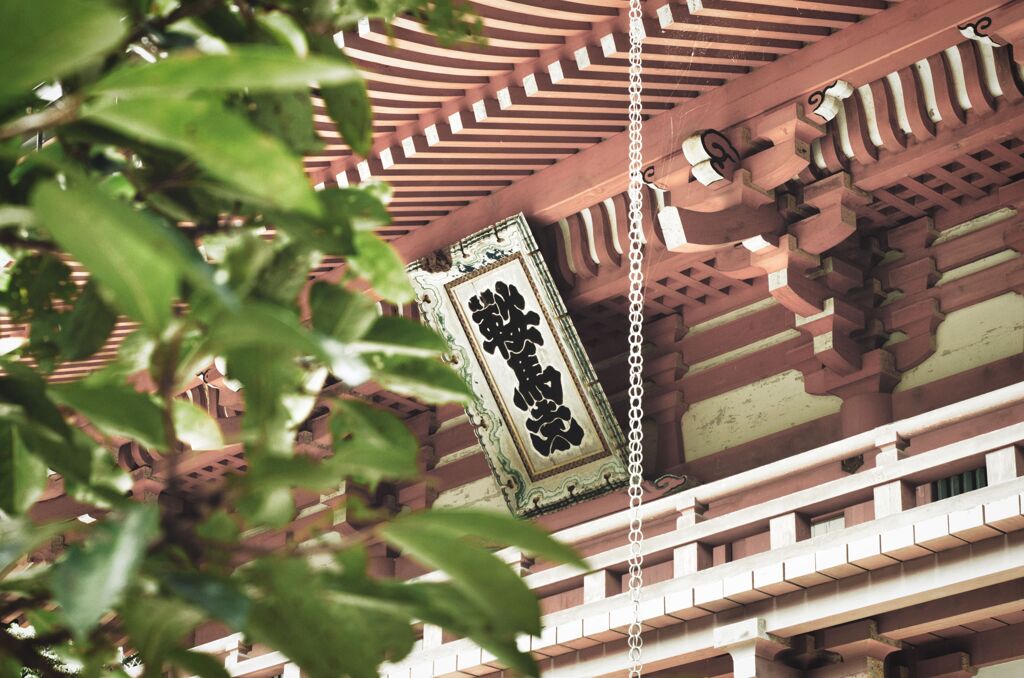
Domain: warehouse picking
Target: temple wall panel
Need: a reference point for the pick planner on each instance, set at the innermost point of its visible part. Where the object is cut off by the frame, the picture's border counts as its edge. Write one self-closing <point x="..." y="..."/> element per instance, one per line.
<point x="750" y="412"/>
<point x="972" y="337"/>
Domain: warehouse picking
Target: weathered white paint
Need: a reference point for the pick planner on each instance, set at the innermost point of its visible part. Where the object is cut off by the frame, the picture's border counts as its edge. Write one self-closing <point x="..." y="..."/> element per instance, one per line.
<point x="750" y="412"/>
<point x="482" y="493"/>
<point x="976" y="266"/>
<point x="976" y="224"/>
<point x="736" y="314"/>
<point x="738" y="353"/>
<point x="971" y="337"/>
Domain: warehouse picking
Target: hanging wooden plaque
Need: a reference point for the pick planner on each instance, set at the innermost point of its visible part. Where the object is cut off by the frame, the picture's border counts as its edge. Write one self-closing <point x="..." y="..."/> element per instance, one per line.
<point x="540" y="415"/>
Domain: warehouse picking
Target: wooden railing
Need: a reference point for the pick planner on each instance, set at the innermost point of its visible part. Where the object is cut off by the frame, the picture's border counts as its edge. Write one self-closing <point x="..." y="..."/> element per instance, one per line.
<point x="773" y="584"/>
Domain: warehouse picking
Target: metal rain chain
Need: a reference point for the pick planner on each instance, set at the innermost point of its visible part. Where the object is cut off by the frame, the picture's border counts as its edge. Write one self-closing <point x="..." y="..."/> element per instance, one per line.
<point x="636" y="318"/>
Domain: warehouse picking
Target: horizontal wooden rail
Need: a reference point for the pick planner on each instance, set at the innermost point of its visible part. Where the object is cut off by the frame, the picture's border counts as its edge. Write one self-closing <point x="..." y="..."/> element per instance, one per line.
<point x="802" y="462"/>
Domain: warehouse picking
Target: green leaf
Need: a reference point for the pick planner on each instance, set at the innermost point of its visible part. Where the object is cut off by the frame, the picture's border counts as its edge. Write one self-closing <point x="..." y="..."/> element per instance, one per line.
<point x="272" y="507"/>
<point x="494" y="528"/>
<point x="363" y="207"/>
<point x="198" y="664"/>
<point x="156" y="627"/>
<point x="221" y="142"/>
<point x="283" y="29"/>
<point x="115" y="409"/>
<point x="91" y="474"/>
<point x="195" y="427"/>
<point x="339" y="313"/>
<point x="287" y="116"/>
<point x="323" y="632"/>
<point x="220" y="526"/>
<point x="349" y="108"/>
<point x="15" y="215"/>
<point x="139" y="273"/>
<point x="22" y="387"/>
<point x="44" y="41"/>
<point x="36" y="282"/>
<point x="394" y="335"/>
<point x="222" y="598"/>
<point x="22" y="473"/>
<point x="265" y="326"/>
<point x="372" y="444"/>
<point x="93" y="577"/>
<point x="19" y="537"/>
<point x="347" y="104"/>
<point x="86" y="328"/>
<point x="488" y="583"/>
<point x="256" y="68"/>
<point x="378" y="263"/>
<point x="424" y="378"/>
<point x="269" y="374"/>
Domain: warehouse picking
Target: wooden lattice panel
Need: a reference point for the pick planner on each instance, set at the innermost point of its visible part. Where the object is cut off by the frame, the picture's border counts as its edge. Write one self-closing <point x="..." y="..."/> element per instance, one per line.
<point x="970" y="176"/>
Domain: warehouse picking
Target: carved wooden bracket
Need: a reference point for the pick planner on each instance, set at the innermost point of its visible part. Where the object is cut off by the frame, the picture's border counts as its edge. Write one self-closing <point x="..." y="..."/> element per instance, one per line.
<point x="711" y="155"/>
<point x="663" y="372"/>
<point x="1004" y="26"/>
<point x="826" y="102"/>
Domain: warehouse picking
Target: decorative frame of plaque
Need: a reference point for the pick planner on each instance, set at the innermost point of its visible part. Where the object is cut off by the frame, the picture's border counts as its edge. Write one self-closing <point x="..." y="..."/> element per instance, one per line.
<point x="541" y="416"/>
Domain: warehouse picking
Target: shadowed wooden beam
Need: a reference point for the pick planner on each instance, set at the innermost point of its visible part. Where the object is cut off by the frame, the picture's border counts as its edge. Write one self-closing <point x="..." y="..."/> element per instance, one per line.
<point x="903" y="34"/>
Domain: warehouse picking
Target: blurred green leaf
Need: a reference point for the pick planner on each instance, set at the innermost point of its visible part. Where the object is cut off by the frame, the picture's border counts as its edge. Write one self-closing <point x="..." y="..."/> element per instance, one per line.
<point x="284" y="30"/>
<point x="372" y="444"/>
<point x="44" y="41"/>
<point x="321" y="632"/>
<point x="35" y="283"/>
<point x="91" y="474"/>
<point x="256" y="68"/>
<point x="348" y="104"/>
<point x="199" y="664"/>
<point x="19" y="537"/>
<point x="87" y="326"/>
<point x="339" y="313"/>
<point x="393" y="335"/>
<point x="22" y="473"/>
<point x="222" y="598"/>
<point x="219" y="526"/>
<point x="349" y="108"/>
<point x="195" y="427"/>
<point x="271" y="507"/>
<point x="491" y="586"/>
<point x="378" y="263"/>
<point x="23" y="387"/>
<point x="93" y="577"/>
<point x="493" y="528"/>
<point x="220" y="141"/>
<point x="425" y="378"/>
<point x="139" y="272"/>
<point x="117" y="410"/>
<point x="362" y="207"/>
<point x="156" y="627"/>
<point x="263" y="325"/>
<point x="287" y="116"/>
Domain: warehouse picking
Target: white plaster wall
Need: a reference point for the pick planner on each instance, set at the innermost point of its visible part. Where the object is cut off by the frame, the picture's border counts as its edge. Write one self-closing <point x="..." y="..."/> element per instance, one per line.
<point x="751" y="412"/>
<point x="482" y="493"/>
<point x="1014" y="669"/>
<point x="971" y="337"/>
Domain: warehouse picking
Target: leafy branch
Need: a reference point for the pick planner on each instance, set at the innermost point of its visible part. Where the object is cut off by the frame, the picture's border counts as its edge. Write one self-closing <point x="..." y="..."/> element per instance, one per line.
<point x="162" y="177"/>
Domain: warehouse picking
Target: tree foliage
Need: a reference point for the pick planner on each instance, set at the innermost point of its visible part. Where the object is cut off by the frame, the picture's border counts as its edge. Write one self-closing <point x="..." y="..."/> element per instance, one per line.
<point x="158" y="144"/>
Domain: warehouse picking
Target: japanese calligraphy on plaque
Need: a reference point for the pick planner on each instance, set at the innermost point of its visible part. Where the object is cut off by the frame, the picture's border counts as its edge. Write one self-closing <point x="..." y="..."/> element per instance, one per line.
<point x="541" y="417"/>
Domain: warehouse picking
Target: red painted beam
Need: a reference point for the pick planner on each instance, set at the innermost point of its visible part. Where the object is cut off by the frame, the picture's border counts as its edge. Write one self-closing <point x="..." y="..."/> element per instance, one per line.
<point x="898" y="36"/>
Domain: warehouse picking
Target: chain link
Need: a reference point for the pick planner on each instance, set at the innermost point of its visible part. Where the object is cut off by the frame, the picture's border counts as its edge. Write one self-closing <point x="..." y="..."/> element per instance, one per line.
<point x="635" y="446"/>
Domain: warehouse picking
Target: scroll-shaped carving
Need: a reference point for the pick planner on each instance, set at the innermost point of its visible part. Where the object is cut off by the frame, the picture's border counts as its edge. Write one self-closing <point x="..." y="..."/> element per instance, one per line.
<point x="826" y="102"/>
<point x="976" y="31"/>
<point x="711" y="155"/>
